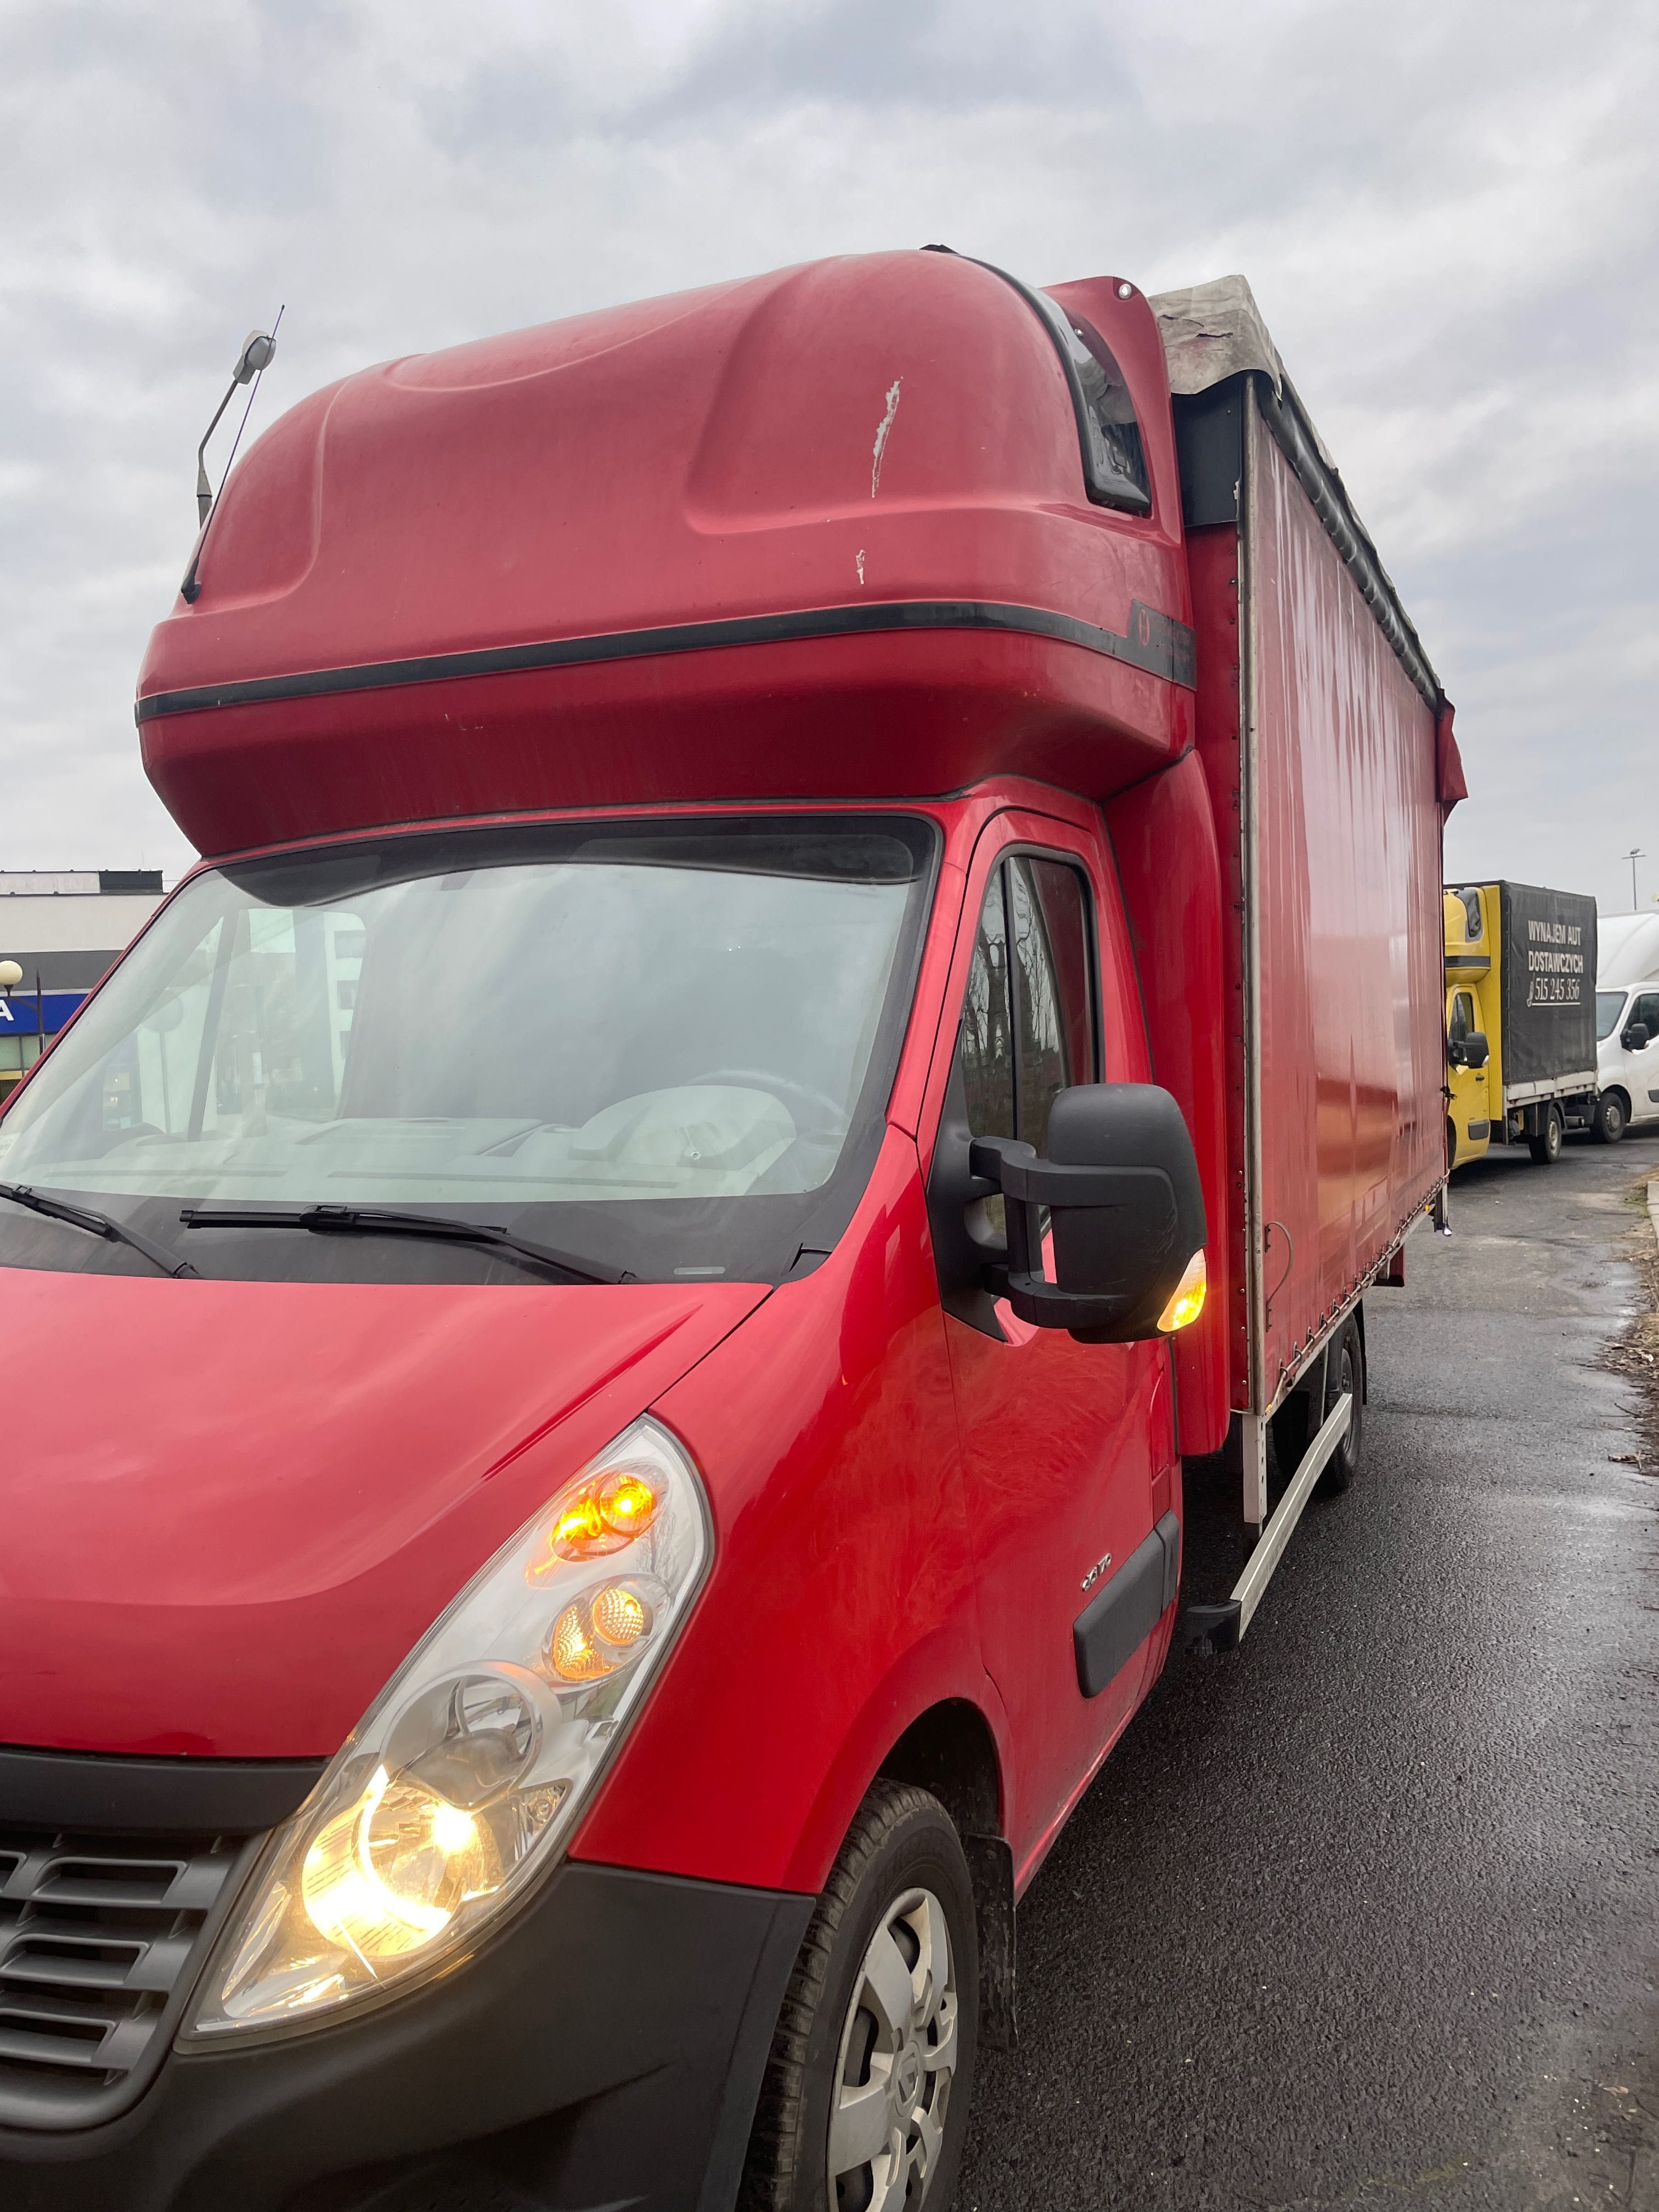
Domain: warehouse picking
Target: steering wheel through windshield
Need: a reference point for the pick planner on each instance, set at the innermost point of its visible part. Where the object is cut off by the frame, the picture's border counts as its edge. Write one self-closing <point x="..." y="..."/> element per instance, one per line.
<point x="826" y="1114"/>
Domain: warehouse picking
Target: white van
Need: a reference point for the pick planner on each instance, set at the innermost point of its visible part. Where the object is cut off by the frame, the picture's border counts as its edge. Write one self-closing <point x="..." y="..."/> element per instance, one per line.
<point x="1627" y="1023"/>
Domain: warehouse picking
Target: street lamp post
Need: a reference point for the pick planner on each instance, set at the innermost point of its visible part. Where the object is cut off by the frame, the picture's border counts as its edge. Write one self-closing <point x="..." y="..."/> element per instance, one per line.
<point x="1634" y="855"/>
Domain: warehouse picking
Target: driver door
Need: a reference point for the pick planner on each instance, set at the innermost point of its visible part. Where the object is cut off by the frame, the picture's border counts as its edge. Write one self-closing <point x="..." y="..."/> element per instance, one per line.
<point x="1064" y="1445"/>
<point x="1470" y="1109"/>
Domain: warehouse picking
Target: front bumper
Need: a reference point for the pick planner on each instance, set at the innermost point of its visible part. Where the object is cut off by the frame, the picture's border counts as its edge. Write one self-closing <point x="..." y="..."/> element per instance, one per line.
<point x="604" y="2051"/>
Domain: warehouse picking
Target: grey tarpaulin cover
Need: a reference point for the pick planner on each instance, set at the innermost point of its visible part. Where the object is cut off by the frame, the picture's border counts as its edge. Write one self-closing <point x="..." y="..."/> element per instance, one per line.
<point x="1212" y="332"/>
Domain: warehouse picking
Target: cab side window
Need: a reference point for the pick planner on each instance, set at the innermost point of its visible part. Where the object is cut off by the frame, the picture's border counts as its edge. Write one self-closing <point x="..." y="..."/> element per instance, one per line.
<point x="1462" y="1017"/>
<point x="1114" y="459"/>
<point x="1028" y="1025"/>
<point x="988" y="1023"/>
<point x="1645" y="1011"/>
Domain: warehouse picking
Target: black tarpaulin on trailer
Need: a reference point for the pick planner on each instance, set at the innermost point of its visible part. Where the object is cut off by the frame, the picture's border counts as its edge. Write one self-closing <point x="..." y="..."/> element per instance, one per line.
<point x="1549" y="983"/>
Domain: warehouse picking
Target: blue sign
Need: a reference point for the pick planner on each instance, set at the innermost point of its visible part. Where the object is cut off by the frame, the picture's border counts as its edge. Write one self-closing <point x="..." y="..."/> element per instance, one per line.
<point x="20" y="1011"/>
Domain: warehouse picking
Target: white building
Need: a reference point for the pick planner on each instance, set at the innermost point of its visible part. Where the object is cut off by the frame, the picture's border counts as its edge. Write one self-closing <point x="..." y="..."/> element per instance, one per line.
<point x="64" y="929"/>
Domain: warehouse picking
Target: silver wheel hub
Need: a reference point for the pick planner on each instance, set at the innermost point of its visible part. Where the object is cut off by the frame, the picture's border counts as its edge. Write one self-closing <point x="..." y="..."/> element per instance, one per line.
<point x="896" y="2062"/>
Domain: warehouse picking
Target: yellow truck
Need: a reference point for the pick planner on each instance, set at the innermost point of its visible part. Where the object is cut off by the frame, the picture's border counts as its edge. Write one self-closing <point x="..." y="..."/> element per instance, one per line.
<point x="1520" y="1019"/>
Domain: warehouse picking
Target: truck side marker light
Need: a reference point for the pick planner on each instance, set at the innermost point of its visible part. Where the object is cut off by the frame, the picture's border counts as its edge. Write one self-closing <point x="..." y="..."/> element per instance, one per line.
<point x="461" y="1785"/>
<point x="1187" y="1299"/>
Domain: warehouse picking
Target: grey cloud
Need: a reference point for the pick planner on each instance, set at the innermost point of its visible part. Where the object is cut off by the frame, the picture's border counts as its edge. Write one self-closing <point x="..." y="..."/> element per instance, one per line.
<point x="874" y="57"/>
<point x="1452" y="230"/>
<point x="953" y="56"/>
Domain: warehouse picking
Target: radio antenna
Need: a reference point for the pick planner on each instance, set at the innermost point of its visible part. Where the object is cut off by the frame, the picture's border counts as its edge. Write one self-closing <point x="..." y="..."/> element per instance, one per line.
<point x="258" y="352"/>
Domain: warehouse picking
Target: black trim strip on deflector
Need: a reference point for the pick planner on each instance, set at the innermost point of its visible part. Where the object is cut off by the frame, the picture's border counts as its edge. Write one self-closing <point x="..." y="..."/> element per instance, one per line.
<point x="1155" y="642"/>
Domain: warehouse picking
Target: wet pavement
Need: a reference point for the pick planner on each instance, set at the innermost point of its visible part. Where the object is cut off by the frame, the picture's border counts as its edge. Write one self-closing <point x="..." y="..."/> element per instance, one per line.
<point x="1365" y="1914"/>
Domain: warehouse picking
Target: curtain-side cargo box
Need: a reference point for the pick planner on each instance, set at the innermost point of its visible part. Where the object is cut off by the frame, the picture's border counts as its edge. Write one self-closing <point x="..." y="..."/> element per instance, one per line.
<point x="1326" y="742"/>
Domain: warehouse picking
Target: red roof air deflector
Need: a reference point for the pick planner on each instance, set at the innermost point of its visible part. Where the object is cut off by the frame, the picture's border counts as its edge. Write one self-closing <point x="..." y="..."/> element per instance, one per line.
<point x="821" y="533"/>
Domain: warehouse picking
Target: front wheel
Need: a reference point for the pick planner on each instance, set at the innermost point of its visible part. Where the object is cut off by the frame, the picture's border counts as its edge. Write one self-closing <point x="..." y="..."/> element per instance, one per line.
<point x="865" y="2102"/>
<point x="1545" y="1147"/>
<point x="1611" y="1120"/>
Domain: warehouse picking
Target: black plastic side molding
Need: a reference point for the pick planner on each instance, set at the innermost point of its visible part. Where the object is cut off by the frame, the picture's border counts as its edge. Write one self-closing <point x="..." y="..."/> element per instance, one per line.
<point x="1113" y="1627"/>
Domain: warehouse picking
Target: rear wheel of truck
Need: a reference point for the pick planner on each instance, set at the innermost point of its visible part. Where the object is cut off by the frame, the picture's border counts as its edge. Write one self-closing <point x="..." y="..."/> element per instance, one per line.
<point x="1610" y="1120"/>
<point x="1546" y="1146"/>
<point x="865" y="2101"/>
<point x="1344" y="1371"/>
<point x="1300" y="1418"/>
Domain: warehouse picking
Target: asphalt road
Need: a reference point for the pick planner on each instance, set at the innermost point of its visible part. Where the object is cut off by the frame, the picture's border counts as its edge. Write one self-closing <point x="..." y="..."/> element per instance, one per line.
<point x="1364" y="1914"/>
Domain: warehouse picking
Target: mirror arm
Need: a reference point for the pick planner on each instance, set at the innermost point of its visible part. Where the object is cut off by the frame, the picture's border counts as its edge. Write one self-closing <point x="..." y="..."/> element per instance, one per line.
<point x="1000" y="1162"/>
<point x="1020" y="1174"/>
<point x="1125" y="1205"/>
<point x="1028" y="1183"/>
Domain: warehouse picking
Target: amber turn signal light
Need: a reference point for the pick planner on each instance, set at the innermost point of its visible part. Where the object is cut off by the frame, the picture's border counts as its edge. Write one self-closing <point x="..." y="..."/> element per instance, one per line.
<point x="1187" y="1300"/>
<point x="628" y="1503"/>
<point x="603" y="1517"/>
<point x="597" y="1634"/>
<point x="574" y="1650"/>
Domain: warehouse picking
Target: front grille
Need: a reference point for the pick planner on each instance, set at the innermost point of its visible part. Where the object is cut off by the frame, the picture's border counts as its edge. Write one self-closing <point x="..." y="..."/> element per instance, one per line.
<point x="99" y="1935"/>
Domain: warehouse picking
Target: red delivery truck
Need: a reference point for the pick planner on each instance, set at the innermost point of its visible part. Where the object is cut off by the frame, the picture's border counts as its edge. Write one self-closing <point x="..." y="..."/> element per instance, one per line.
<point x="819" y="954"/>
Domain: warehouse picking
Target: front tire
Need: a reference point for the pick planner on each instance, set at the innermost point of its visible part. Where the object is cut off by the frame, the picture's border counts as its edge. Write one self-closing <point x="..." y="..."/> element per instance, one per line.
<point x="865" y="2102"/>
<point x="1545" y="1147"/>
<point x="1611" y="1119"/>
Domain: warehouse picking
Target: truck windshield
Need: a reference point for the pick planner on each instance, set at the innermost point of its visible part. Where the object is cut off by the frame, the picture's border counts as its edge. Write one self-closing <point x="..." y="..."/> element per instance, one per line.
<point x="664" y="1048"/>
<point x="1608" y="1006"/>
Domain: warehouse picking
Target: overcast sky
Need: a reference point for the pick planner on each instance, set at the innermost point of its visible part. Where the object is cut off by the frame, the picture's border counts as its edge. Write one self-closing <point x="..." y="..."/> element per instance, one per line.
<point x="1448" y="212"/>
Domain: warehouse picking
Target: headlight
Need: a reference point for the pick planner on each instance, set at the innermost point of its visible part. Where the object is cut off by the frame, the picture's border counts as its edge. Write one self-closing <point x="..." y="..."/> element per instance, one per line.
<point x="454" y="1791"/>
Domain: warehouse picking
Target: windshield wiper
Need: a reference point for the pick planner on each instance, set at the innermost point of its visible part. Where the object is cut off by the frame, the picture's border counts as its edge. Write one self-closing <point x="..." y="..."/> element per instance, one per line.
<point x="96" y="1224"/>
<point x="377" y="1220"/>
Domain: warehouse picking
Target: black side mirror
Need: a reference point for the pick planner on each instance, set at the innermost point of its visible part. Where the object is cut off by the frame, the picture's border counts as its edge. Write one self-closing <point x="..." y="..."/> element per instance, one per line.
<point x="1476" y="1051"/>
<point x="1635" y="1036"/>
<point x="1126" y="1209"/>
